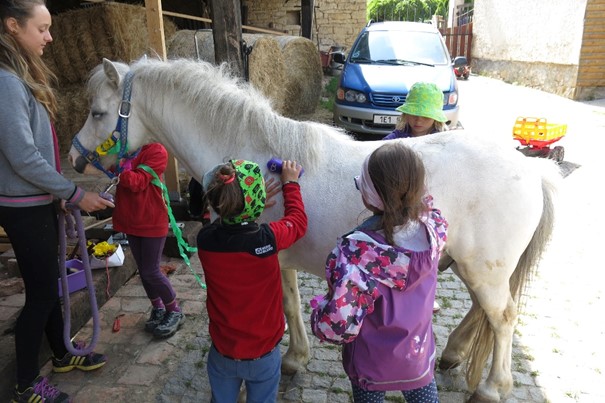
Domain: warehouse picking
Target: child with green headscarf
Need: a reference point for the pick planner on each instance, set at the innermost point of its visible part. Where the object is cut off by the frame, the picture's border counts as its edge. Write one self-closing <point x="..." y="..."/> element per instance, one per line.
<point x="241" y="269"/>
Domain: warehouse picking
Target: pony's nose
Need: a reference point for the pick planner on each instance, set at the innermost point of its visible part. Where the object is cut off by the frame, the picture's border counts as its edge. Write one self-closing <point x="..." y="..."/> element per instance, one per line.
<point x="80" y="164"/>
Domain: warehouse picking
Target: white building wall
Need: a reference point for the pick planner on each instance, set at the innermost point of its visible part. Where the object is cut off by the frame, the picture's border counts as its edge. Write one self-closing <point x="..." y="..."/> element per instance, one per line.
<point x="548" y="31"/>
<point x="535" y="43"/>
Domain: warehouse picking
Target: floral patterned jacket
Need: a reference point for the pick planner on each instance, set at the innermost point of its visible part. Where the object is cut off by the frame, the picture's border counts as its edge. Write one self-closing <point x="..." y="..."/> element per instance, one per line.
<point x="355" y="268"/>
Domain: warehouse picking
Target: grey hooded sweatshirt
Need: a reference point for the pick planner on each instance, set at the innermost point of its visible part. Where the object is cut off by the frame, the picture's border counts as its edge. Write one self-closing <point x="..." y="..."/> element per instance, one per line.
<point x="28" y="173"/>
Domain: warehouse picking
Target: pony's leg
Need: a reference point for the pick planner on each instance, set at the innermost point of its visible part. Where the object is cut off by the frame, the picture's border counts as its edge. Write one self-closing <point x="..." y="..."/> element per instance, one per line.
<point x="501" y="315"/>
<point x="297" y="355"/>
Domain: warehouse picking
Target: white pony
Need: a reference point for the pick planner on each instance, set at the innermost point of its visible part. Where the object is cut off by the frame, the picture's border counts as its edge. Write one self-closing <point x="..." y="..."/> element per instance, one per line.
<point x="499" y="204"/>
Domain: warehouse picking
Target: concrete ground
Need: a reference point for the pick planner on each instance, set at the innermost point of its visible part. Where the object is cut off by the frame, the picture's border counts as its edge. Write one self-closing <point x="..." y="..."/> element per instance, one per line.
<point x="557" y="349"/>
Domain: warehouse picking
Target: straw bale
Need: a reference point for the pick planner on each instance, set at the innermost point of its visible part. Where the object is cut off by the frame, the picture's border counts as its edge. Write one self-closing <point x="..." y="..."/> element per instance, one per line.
<point x="63" y="70"/>
<point x="266" y="69"/>
<point x="303" y="75"/>
<point x="83" y="37"/>
<point x="73" y="108"/>
<point x="182" y="45"/>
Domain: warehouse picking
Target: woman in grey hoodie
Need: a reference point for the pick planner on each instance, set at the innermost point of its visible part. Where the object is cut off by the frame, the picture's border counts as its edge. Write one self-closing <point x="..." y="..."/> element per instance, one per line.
<point x="30" y="180"/>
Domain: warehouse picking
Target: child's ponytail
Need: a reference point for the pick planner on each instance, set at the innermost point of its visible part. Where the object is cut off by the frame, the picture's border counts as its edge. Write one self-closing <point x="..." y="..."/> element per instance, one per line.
<point x="224" y="193"/>
<point x="399" y="178"/>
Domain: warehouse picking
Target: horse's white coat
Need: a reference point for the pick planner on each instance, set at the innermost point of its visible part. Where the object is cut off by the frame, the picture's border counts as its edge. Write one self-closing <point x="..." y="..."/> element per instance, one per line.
<point x="492" y="195"/>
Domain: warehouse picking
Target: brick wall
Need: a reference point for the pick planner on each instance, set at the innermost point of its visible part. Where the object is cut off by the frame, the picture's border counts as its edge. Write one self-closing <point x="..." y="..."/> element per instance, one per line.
<point x="336" y="22"/>
<point x="591" y="72"/>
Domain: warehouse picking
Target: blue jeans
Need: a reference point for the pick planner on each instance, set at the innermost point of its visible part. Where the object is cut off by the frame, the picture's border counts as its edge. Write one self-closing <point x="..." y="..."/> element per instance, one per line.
<point x="260" y="376"/>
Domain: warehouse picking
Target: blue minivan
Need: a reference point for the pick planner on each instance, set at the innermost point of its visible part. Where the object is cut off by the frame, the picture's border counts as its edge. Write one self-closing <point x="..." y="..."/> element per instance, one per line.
<point x="386" y="59"/>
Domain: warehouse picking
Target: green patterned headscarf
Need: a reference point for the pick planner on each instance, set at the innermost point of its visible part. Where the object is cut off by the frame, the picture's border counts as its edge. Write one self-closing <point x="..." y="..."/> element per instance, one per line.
<point x="252" y="183"/>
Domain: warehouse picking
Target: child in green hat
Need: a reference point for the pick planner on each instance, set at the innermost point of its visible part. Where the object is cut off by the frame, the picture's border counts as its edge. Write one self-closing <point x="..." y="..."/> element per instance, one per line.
<point x="422" y="112"/>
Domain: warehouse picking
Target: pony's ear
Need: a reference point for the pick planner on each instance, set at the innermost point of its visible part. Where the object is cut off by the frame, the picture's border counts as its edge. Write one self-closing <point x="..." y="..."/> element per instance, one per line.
<point x="111" y="72"/>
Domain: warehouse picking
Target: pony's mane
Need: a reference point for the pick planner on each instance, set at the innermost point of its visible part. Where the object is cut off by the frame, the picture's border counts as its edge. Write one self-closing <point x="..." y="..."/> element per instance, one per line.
<point x="228" y="106"/>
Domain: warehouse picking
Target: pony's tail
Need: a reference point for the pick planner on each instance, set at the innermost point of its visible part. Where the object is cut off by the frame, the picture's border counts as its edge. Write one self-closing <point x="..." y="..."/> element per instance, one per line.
<point x="483" y="341"/>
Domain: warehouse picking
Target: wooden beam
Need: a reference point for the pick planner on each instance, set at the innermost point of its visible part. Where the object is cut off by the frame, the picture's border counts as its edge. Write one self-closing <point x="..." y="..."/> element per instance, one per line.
<point x="208" y="20"/>
<point x="155" y="30"/>
<point x="227" y="34"/>
<point x="155" y="27"/>
<point x="306" y="9"/>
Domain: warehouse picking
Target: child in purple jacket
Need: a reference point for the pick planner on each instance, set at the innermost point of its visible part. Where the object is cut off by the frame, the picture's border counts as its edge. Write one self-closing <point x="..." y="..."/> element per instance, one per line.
<point x="382" y="278"/>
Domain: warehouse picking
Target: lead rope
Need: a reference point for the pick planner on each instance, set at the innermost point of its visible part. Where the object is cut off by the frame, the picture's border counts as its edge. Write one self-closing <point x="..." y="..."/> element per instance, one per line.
<point x="182" y="244"/>
<point x="63" y="234"/>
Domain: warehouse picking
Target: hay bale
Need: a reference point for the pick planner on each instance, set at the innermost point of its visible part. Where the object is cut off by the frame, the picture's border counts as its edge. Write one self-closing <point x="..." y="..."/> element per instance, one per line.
<point x="266" y="68"/>
<point x="303" y="75"/>
<point x="73" y="108"/>
<point x="182" y="45"/>
<point x="83" y="37"/>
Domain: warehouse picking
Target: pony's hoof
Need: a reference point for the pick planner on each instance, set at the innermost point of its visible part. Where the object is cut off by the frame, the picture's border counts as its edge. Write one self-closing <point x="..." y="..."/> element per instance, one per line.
<point x="290" y="366"/>
<point x="446" y="364"/>
<point x="481" y="397"/>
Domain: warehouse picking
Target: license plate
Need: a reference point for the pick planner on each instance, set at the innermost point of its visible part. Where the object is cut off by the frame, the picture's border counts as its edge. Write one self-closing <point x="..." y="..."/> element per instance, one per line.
<point x="386" y="119"/>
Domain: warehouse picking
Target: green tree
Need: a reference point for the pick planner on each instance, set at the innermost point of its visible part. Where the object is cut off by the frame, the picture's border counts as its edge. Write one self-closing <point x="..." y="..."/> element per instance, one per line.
<point x="406" y="10"/>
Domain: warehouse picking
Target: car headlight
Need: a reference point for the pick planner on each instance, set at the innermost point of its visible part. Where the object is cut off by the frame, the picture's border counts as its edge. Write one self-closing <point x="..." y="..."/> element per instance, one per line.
<point x="351" y="96"/>
<point x="360" y="97"/>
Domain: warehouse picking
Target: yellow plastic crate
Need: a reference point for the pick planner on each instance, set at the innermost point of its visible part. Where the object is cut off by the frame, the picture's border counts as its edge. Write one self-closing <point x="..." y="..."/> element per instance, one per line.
<point x="537" y="131"/>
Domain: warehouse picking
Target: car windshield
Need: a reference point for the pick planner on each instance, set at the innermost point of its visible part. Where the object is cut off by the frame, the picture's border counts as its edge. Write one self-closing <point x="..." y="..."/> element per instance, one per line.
<point x="400" y="47"/>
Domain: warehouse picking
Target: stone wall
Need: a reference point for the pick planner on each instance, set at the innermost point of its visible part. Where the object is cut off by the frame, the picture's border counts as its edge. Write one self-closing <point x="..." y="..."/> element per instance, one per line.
<point x="536" y="44"/>
<point x="336" y="22"/>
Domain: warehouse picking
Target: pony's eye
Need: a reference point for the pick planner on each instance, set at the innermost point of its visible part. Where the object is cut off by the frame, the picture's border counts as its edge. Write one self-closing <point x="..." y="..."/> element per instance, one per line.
<point x="97" y="115"/>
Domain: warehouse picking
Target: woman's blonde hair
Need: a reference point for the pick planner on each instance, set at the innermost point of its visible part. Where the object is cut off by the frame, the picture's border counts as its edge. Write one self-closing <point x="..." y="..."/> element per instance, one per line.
<point x="398" y="176"/>
<point x="27" y="65"/>
<point x="403" y="125"/>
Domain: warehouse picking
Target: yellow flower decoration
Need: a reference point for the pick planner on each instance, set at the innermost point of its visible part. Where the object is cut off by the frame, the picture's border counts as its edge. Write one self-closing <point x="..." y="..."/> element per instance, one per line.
<point x="103" y="249"/>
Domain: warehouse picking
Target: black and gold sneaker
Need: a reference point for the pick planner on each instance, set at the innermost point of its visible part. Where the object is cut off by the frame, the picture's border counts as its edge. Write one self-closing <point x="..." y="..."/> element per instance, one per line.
<point x="40" y="391"/>
<point x="87" y="362"/>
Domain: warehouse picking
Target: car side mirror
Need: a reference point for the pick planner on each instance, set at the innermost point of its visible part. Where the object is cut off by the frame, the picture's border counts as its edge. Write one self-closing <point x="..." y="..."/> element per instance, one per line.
<point x="460" y="61"/>
<point x="338" y="57"/>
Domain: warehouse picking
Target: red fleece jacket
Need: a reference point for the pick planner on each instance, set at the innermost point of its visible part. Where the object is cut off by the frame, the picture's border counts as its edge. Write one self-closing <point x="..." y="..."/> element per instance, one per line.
<point x="140" y="209"/>
<point x="244" y="281"/>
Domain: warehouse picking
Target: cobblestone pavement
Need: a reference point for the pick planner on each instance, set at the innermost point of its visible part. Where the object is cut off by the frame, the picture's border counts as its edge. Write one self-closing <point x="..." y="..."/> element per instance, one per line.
<point x="558" y="354"/>
<point x="551" y="362"/>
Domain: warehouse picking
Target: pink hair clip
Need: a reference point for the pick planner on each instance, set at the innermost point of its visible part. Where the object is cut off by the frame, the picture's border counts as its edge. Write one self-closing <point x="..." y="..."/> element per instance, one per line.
<point x="227" y="179"/>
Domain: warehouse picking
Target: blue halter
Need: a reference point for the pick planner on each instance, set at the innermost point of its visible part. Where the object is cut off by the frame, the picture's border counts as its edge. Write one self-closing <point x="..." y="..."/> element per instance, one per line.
<point x="93" y="157"/>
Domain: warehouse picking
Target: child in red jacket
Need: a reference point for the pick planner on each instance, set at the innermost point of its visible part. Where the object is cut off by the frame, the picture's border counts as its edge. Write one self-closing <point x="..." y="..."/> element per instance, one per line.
<point x="239" y="258"/>
<point x="141" y="214"/>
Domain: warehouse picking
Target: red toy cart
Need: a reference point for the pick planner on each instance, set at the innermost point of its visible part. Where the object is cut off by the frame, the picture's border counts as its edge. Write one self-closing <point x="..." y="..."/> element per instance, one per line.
<point x="536" y="137"/>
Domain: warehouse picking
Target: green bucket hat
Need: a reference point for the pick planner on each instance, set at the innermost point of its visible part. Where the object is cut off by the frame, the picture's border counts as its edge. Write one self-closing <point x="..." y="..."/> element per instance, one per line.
<point x="426" y="100"/>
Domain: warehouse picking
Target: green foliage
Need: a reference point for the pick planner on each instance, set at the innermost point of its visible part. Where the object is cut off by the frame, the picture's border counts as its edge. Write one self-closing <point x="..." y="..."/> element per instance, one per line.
<point x="328" y="94"/>
<point x="406" y="10"/>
